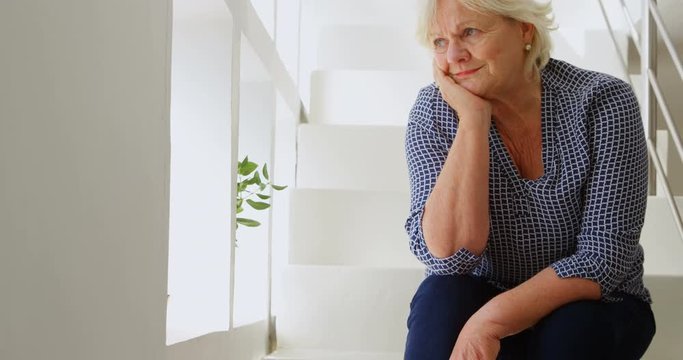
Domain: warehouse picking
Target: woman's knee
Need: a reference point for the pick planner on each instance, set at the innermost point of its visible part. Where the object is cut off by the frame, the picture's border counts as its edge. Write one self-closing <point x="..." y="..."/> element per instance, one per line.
<point x="452" y="297"/>
<point x="579" y="330"/>
<point x="595" y="330"/>
<point x="440" y="308"/>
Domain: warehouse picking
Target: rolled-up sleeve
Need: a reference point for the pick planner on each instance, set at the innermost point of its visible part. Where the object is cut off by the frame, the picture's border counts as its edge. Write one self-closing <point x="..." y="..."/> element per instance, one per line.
<point x="426" y="152"/>
<point x="615" y="193"/>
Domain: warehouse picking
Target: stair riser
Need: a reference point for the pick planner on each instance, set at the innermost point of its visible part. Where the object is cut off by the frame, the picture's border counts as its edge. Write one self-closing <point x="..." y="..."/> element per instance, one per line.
<point x="355" y="228"/>
<point x="365" y="97"/>
<point x="344" y="308"/>
<point x="352" y="157"/>
<point x="371" y="48"/>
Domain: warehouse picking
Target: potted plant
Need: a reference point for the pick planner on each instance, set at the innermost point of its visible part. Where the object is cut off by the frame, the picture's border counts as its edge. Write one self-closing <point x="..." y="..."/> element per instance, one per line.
<point x="251" y="183"/>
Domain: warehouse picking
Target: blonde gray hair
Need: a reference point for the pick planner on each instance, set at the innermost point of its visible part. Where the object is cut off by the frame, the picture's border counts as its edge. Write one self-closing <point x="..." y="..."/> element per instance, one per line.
<point x="539" y="14"/>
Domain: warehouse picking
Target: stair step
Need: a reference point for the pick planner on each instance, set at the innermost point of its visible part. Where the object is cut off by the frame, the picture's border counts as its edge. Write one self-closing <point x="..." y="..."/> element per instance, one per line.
<point x="660" y="239"/>
<point x="346" y="308"/>
<point x="360" y="97"/>
<point x="327" y="305"/>
<point x="306" y="354"/>
<point x="358" y="310"/>
<point x="667" y="297"/>
<point x="371" y="47"/>
<point x="350" y="227"/>
<point x="664" y="277"/>
<point x="352" y="157"/>
<point x="322" y="233"/>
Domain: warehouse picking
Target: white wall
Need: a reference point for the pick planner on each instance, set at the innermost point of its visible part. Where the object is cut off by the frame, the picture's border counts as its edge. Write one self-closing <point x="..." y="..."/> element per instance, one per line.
<point x="266" y="12"/>
<point x="84" y="176"/>
<point x="287" y="31"/>
<point x="200" y="226"/>
<point x="582" y="37"/>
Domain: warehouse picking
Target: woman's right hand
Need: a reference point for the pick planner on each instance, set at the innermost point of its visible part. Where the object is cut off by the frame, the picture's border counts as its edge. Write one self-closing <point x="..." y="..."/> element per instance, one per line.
<point x="470" y="107"/>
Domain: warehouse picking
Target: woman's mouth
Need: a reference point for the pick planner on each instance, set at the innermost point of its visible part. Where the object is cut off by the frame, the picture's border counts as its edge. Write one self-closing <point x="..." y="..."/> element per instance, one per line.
<point x="467" y="72"/>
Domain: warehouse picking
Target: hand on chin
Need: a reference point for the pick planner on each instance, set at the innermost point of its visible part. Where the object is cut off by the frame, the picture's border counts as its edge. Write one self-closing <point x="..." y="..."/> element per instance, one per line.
<point x="459" y="94"/>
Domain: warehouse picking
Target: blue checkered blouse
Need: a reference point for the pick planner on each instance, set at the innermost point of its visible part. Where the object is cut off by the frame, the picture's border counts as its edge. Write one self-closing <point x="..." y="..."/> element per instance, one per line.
<point x="583" y="217"/>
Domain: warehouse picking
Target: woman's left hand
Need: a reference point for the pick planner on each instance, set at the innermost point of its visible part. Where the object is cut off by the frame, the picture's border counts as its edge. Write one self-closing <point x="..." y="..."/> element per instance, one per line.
<point x="476" y="342"/>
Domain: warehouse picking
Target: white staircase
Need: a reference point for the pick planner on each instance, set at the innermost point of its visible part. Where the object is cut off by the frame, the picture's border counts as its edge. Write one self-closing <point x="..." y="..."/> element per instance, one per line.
<point x="351" y="276"/>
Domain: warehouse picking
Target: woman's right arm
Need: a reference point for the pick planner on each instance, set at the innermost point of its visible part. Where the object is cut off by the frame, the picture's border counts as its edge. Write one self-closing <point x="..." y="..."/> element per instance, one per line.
<point x="448" y="224"/>
<point x="456" y="214"/>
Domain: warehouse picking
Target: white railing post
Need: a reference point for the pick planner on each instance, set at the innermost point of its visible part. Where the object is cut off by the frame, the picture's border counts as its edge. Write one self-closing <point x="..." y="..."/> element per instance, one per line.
<point x="235" y="78"/>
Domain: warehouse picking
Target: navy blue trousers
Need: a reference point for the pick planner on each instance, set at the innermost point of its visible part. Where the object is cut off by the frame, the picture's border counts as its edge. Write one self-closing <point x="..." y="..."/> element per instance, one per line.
<point x="580" y="330"/>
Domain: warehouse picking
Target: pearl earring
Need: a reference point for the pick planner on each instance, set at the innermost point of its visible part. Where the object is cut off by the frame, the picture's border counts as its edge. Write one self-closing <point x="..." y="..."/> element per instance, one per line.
<point x="527" y="47"/>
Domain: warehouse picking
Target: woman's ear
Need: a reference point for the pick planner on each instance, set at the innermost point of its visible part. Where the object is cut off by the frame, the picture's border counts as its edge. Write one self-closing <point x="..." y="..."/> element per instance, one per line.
<point x="528" y="31"/>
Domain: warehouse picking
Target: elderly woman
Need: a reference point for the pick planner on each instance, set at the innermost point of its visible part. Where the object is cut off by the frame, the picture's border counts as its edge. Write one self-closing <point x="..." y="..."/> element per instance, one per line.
<point x="528" y="190"/>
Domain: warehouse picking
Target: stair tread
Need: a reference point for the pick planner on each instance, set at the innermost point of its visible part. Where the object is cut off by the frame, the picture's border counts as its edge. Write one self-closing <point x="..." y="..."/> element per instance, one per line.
<point x="322" y="354"/>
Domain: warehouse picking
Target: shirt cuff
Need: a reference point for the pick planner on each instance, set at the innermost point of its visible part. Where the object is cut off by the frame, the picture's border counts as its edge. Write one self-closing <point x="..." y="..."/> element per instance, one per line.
<point x="460" y="263"/>
<point x="583" y="266"/>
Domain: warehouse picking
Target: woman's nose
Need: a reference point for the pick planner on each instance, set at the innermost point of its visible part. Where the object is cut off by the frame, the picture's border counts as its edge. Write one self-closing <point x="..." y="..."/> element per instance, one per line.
<point x="456" y="53"/>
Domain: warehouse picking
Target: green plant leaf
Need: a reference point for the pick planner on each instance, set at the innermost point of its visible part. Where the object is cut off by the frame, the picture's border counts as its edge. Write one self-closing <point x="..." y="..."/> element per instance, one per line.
<point x="263" y="197"/>
<point x="262" y="187"/>
<point x="265" y="172"/>
<point x="258" y="205"/>
<point x="248" y="168"/>
<point x="242" y="186"/>
<point x="279" y="188"/>
<point x="240" y="164"/>
<point x="239" y="203"/>
<point x="256" y="179"/>
<point x="248" y="222"/>
<point x="240" y="209"/>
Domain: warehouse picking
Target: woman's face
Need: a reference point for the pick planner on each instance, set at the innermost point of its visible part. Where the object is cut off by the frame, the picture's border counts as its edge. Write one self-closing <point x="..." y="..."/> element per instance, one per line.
<point x="483" y="53"/>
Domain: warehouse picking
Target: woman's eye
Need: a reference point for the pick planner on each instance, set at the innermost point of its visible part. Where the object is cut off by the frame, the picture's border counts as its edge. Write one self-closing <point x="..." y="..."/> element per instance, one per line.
<point x="440" y="43"/>
<point x="469" y="32"/>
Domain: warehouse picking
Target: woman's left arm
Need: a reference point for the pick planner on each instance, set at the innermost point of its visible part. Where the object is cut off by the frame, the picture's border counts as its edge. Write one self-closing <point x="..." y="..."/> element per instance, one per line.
<point x="518" y="309"/>
<point x="607" y="245"/>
